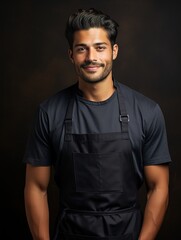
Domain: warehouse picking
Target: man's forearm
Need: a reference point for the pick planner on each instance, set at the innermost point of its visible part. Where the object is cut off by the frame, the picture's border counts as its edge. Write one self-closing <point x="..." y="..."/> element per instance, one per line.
<point x="154" y="213"/>
<point x="37" y="212"/>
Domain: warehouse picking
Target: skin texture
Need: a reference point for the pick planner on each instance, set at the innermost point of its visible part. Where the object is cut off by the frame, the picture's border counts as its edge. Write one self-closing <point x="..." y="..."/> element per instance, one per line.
<point x="36" y="202"/>
<point x="157" y="179"/>
<point x="92" y="56"/>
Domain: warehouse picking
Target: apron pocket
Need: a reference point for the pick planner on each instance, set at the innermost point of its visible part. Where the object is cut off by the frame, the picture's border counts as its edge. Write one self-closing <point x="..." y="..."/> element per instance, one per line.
<point x="96" y="172"/>
<point x="112" y="225"/>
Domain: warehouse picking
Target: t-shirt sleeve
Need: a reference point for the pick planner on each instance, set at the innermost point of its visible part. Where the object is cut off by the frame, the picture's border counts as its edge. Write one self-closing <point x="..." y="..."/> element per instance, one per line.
<point x="155" y="149"/>
<point x="38" y="150"/>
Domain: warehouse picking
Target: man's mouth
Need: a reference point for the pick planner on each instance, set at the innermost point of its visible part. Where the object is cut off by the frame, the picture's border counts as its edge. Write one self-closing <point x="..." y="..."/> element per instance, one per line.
<point x="92" y="67"/>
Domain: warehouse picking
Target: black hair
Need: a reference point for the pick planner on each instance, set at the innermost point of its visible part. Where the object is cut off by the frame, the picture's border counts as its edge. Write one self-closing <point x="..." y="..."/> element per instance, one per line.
<point x="91" y="18"/>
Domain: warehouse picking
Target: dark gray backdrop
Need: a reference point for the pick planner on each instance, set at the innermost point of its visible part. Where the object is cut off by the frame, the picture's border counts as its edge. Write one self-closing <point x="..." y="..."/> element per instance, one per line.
<point x="35" y="65"/>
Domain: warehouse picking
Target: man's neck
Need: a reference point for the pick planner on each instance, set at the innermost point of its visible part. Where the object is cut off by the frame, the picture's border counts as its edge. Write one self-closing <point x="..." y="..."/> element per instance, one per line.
<point x="97" y="92"/>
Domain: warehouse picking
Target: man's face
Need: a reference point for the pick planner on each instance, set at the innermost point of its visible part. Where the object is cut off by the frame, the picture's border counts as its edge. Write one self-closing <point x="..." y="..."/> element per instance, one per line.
<point x="92" y="55"/>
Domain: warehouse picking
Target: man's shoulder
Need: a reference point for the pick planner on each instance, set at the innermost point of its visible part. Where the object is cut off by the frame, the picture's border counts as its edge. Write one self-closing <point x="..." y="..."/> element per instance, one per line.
<point x="59" y="100"/>
<point x="136" y="98"/>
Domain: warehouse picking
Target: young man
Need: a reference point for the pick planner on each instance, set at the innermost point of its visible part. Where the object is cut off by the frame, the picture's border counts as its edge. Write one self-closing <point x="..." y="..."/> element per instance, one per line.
<point x="103" y="140"/>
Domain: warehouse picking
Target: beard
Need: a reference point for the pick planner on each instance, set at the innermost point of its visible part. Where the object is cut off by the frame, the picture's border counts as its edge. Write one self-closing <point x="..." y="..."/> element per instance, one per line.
<point x="93" y="77"/>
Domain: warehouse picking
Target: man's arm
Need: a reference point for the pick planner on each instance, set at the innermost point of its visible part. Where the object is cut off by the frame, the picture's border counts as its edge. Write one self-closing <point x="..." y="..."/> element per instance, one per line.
<point x="36" y="203"/>
<point x="157" y="180"/>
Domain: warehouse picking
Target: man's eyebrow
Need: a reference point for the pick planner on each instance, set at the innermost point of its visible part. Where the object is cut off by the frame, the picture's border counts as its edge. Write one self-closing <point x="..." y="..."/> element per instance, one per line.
<point x="101" y="43"/>
<point x="85" y="45"/>
<point x="80" y="45"/>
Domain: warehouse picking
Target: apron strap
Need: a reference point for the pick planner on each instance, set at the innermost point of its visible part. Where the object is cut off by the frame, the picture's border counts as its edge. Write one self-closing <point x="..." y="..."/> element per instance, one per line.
<point x="68" y="117"/>
<point x="123" y="117"/>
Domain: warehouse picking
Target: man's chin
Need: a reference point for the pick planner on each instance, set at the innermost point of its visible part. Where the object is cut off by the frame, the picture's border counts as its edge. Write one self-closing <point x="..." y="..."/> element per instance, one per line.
<point x="93" y="80"/>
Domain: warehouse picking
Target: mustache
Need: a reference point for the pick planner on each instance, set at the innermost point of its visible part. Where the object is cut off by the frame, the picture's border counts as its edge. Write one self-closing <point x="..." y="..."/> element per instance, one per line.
<point x="87" y="63"/>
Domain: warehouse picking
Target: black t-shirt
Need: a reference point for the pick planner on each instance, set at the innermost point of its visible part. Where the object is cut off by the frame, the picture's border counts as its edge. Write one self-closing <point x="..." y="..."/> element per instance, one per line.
<point x="146" y="126"/>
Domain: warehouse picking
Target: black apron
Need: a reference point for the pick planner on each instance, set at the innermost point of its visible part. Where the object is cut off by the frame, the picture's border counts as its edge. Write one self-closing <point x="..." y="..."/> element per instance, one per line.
<point x="98" y="184"/>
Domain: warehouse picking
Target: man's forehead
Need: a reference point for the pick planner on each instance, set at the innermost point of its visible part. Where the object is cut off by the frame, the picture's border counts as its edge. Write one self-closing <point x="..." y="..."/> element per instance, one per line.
<point x="91" y="35"/>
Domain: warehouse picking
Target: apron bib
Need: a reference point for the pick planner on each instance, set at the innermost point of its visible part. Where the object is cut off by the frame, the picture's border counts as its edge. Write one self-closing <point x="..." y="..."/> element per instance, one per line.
<point x="98" y="184"/>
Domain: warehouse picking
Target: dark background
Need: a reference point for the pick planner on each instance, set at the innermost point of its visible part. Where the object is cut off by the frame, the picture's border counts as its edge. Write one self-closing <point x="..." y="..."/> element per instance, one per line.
<point x="35" y="65"/>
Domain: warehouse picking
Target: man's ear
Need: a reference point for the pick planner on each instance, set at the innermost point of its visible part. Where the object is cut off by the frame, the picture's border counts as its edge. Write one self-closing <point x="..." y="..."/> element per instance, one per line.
<point x="70" y="53"/>
<point x="115" y="51"/>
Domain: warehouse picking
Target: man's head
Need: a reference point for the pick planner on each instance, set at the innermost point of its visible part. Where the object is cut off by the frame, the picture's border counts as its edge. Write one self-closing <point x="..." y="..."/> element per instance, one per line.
<point x="91" y="18"/>
<point x="92" y="36"/>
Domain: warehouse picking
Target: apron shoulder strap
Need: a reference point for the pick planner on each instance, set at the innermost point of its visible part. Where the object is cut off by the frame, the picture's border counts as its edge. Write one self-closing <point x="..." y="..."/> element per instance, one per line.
<point x="124" y="117"/>
<point x="68" y="116"/>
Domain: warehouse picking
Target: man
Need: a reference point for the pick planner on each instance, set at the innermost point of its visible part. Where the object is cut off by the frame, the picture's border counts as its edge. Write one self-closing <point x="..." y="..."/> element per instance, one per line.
<point x="103" y="140"/>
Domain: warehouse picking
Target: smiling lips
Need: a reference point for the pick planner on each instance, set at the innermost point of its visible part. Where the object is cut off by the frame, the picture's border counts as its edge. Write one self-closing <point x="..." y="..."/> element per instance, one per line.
<point x="92" y="67"/>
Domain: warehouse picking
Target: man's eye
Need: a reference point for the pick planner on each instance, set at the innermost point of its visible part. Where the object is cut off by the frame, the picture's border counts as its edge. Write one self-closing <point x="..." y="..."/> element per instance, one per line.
<point x="80" y="49"/>
<point x="101" y="48"/>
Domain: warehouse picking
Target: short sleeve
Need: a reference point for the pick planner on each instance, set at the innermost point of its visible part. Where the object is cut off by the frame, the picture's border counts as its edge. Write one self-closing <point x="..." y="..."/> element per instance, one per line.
<point x="38" y="150"/>
<point x="155" y="149"/>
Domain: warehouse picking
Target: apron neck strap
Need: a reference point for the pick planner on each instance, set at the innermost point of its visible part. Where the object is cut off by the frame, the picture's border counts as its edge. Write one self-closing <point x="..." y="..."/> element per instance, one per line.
<point x="68" y="116"/>
<point x="123" y="117"/>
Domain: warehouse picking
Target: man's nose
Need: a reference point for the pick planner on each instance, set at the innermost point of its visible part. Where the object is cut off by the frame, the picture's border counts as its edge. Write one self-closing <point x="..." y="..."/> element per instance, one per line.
<point x="91" y="55"/>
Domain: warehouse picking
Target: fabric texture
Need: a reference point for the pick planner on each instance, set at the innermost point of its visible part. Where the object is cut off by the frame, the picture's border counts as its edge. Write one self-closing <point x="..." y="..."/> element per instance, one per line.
<point x="147" y="130"/>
